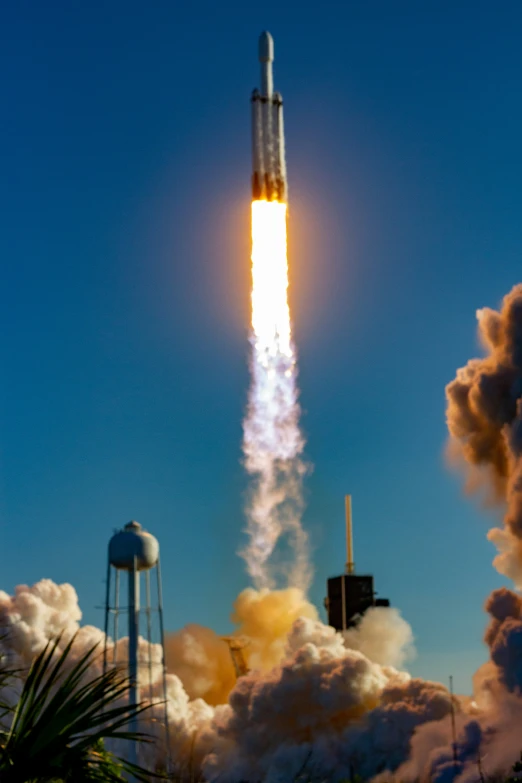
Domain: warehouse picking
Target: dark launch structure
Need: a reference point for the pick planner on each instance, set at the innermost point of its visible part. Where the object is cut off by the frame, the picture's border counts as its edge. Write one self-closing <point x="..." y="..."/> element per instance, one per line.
<point x="351" y="594"/>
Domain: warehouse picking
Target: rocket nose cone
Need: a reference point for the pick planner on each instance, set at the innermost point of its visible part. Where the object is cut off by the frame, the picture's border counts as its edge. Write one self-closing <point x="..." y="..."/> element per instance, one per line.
<point x="266" y="48"/>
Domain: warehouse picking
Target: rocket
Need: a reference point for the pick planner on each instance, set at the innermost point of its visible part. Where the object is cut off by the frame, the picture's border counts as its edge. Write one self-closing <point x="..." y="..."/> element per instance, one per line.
<point x="268" y="140"/>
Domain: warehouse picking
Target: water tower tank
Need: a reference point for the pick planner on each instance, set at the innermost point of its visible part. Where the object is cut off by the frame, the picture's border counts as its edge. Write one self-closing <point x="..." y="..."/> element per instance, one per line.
<point x="133" y="542"/>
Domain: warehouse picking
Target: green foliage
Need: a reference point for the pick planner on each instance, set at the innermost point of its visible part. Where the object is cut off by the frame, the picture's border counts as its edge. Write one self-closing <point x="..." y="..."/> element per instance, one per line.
<point x="61" y="720"/>
<point x="517" y="770"/>
<point x="7" y="676"/>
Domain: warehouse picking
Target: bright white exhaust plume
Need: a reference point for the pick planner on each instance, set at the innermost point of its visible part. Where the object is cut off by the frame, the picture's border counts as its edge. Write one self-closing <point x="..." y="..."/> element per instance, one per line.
<point x="273" y="442"/>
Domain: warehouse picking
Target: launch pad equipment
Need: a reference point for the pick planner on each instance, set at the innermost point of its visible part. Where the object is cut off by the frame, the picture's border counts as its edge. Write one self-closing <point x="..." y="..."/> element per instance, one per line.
<point x="236" y="646"/>
<point x="350" y="595"/>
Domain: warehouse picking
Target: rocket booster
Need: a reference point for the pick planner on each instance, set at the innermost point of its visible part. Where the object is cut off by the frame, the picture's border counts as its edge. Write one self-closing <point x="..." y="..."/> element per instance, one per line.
<point x="268" y="140"/>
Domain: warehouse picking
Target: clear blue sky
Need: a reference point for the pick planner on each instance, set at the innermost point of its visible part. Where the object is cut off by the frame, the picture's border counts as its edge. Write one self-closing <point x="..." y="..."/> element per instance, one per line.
<point x="125" y="146"/>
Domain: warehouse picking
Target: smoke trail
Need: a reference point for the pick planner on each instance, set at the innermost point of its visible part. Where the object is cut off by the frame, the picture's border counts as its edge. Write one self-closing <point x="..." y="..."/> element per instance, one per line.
<point x="272" y="439"/>
<point x="484" y="415"/>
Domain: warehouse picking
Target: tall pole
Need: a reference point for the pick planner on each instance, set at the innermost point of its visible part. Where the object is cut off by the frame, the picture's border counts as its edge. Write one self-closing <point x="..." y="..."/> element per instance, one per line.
<point x="453" y="727"/>
<point x="350" y="565"/>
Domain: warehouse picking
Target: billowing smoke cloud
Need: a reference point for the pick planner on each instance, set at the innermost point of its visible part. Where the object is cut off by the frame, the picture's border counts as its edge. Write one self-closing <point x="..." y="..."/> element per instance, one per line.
<point x="297" y="663"/>
<point x="316" y="703"/>
<point x="37" y="614"/>
<point x="504" y="637"/>
<point x="484" y="415"/>
<point x="273" y="721"/>
<point x="263" y="619"/>
<point x="488" y="734"/>
<point x="383" y="636"/>
<point x="266" y="618"/>
<point x="326" y="711"/>
<point x="202" y="662"/>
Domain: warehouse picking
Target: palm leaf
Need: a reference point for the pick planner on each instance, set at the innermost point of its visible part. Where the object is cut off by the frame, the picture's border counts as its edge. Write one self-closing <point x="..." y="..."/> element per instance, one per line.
<point x="61" y="719"/>
<point x="7" y="675"/>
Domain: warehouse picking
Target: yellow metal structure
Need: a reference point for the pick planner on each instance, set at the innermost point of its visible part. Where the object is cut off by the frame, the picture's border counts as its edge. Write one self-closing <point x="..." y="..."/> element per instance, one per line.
<point x="236" y="645"/>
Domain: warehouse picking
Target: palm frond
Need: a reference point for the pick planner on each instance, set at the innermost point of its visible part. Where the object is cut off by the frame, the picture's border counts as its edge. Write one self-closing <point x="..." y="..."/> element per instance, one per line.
<point x="61" y="718"/>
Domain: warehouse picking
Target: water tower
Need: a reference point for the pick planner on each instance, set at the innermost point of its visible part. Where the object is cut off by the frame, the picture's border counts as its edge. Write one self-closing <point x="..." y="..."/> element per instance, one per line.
<point x="135" y="552"/>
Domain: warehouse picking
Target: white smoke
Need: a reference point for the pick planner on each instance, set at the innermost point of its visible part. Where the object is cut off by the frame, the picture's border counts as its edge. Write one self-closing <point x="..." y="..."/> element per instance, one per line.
<point x="298" y="663"/>
<point x="316" y="703"/>
<point x="35" y="615"/>
<point x="383" y="636"/>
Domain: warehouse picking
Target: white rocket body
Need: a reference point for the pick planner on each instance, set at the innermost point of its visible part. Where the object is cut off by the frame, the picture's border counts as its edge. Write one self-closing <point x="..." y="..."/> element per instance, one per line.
<point x="268" y="141"/>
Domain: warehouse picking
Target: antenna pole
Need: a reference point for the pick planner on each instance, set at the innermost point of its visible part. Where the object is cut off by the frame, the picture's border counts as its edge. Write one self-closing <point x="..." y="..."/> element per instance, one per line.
<point x="350" y="565"/>
<point x="453" y="728"/>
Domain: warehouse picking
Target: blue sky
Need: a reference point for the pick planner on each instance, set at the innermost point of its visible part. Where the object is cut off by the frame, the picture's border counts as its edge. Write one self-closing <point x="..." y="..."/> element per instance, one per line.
<point x="125" y="240"/>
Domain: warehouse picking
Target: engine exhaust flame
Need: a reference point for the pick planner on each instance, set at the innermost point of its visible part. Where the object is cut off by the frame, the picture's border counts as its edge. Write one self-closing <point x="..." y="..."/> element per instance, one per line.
<point x="272" y="439"/>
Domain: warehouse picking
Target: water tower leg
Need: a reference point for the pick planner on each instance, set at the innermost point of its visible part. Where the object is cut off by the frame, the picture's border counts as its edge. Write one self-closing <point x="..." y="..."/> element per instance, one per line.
<point x="107" y="611"/>
<point x="134" y="613"/>
<point x="164" y="667"/>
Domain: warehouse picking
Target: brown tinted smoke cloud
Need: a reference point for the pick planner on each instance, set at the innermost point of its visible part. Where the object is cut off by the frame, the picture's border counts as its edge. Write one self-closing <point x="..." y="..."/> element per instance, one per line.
<point x="318" y="705"/>
<point x="484" y="414"/>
